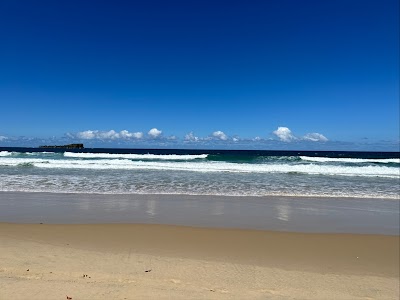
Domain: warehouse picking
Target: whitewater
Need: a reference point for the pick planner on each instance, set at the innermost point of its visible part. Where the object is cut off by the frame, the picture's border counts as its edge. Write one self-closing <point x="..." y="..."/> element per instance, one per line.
<point x="230" y="173"/>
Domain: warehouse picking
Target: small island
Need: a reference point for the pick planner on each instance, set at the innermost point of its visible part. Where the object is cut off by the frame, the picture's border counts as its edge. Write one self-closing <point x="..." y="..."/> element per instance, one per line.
<point x="70" y="146"/>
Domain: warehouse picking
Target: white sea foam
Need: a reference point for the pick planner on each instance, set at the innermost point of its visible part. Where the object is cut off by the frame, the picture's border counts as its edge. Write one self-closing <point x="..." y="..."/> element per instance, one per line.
<point x="39" y="153"/>
<point x="135" y="156"/>
<point x="350" y="160"/>
<point x="204" y="166"/>
<point x="7" y="153"/>
<point x="184" y="185"/>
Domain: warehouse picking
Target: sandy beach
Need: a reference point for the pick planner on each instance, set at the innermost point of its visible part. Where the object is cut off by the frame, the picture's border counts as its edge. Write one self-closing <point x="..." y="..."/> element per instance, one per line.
<point x="136" y="261"/>
<point x="192" y="150"/>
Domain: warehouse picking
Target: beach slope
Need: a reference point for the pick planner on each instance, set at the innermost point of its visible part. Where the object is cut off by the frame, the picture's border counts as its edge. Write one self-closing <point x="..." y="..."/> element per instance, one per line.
<point x="135" y="261"/>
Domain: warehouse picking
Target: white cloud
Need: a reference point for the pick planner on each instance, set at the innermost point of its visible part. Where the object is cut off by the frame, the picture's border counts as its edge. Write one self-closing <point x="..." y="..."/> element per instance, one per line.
<point x="154" y="133"/>
<point x="87" y="135"/>
<point x="284" y="134"/>
<point x="190" y="137"/>
<point x="220" y="135"/>
<point x="125" y="134"/>
<point x="2" y="137"/>
<point x="137" y="135"/>
<point x="107" y="135"/>
<point x="315" y="137"/>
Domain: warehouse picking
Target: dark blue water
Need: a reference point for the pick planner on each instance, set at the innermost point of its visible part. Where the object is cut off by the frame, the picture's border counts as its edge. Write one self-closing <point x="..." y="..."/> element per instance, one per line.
<point x="227" y="154"/>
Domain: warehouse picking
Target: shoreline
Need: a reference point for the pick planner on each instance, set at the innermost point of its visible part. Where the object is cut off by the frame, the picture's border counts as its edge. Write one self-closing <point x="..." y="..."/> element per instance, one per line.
<point x="130" y="261"/>
<point x="286" y="214"/>
<point x="308" y="197"/>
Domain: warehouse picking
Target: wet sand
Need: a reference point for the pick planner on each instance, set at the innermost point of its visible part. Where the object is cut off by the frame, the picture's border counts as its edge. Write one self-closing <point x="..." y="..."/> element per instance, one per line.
<point x="192" y="263"/>
<point x="330" y="215"/>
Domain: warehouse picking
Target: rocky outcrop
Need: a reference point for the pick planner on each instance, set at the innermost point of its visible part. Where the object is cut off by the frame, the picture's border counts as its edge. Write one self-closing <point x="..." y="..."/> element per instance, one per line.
<point x="70" y="146"/>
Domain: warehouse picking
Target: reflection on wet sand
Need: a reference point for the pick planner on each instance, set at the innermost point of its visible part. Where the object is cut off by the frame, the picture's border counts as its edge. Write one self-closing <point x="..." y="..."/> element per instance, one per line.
<point x="151" y="207"/>
<point x="217" y="208"/>
<point x="269" y="213"/>
<point x="283" y="211"/>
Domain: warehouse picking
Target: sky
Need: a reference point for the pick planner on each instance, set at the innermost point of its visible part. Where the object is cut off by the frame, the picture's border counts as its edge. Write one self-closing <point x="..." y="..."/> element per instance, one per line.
<point x="284" y="74"/>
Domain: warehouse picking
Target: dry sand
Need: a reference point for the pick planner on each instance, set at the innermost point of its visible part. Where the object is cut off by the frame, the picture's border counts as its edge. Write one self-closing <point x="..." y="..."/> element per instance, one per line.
<point x="43" y="261"/>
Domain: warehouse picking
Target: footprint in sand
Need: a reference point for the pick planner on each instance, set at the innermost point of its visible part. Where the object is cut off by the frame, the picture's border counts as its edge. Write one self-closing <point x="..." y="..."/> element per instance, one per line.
<point x="273" y="292"/>
<point x="219" y="291"/>
<point x="126" y="280"/>
<point x="176" y="281"/>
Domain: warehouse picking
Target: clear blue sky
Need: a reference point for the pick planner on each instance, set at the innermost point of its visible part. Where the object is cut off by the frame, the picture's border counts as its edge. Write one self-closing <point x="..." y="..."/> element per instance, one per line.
<point x="241" y="67"/>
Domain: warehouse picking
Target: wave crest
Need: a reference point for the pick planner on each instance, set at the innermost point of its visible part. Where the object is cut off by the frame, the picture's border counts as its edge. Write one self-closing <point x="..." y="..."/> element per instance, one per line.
<point x="351" y="160"/>
<point x="207" y="167"/>
<point x="135" y="156"/>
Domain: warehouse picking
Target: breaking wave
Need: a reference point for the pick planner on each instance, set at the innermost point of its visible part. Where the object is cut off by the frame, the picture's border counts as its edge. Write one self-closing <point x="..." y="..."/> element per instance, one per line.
<point x="350" y="160"/>
<point x="135" y="156"/>
<point x="205" y="166"/>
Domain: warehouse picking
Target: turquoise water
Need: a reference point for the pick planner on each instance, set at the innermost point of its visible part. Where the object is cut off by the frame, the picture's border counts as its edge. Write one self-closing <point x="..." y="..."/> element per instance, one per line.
<point x="201" y="172"/>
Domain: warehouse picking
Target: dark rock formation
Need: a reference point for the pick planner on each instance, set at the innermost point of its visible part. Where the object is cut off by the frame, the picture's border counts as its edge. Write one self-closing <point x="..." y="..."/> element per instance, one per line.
<point x="70" y="146"/>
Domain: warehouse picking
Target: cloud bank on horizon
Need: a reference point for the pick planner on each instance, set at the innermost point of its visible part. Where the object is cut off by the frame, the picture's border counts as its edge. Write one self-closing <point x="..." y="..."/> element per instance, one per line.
<point x="283" y="134"/>
<point x="280" y="139"/>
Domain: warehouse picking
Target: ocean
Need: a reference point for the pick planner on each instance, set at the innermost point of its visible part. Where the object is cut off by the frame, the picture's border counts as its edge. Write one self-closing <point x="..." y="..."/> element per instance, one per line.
<point x="201" y="172"/>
